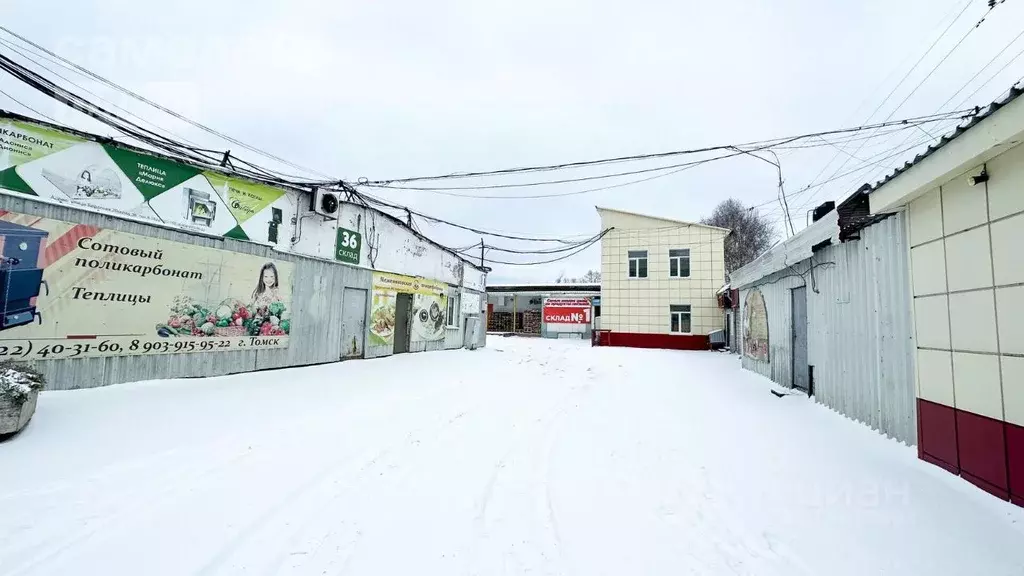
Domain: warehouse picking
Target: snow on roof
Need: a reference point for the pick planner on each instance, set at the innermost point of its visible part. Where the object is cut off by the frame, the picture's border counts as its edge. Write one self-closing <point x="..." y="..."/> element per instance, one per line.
<point x="785" y="254"/>
<point x="603" y="209"/>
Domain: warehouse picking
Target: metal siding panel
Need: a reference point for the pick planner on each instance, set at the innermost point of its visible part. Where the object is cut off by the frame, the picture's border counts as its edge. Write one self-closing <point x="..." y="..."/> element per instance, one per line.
<point x="353" y="322"/>
<point x="861" y="332"/>
<point x="776" y="291"/>
<point x="316" y="310"/>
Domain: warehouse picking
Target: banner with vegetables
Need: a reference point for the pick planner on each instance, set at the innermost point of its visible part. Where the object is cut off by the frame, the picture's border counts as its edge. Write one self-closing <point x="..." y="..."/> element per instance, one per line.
<point x="39" y="161"/>
<point x="427" y="317"/>
<point x="72" y="290"/>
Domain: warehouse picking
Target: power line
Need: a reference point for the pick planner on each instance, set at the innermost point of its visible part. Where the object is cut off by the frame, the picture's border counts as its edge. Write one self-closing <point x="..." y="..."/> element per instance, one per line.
<point x="674" y="169"/>
<point x="982" y="69"/>
<point x="124" y="90"/>
<point x="678" y="168"/>
<point x="877" y="174"/>
<point x="165" y="144"/>
<point x="26" y="106"/>
<point x="931" y="47"/>
<point x="76" y="102"/>
<point x="16" y="49"/>
<point x="761" y="144"/>
<point x="570" y="255"/>
<point x="870" y="162"/>
<point x="991" y="6"/>
<point x="377" y="201"/>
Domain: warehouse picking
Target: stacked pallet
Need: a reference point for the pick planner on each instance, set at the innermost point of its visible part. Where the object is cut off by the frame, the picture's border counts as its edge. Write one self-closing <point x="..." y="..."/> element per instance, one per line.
<point x="531" y="322"/>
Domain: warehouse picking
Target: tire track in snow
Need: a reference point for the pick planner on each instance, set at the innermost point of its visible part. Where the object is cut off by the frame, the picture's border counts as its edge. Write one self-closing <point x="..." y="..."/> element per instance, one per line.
<point x="535" y="445"/>
<point x="323" y="477"/>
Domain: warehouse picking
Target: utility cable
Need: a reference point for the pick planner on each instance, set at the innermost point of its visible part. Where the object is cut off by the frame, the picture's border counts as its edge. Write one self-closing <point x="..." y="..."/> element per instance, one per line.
<point x="931" y="47"/>
<point x="551" y="167"/>
<point x="570" y="255"/>
<point x="26" y="106"/>
<point x="124" y="90"/>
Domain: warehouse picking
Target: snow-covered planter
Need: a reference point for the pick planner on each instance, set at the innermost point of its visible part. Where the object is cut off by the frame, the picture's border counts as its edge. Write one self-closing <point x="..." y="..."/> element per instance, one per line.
<point x="19" y="388"/>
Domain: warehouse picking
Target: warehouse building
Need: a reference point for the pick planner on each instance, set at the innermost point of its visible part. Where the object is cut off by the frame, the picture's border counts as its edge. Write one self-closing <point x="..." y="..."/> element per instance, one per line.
<point x="123" y="264"/>
<point x="553" y="310"/>
<point x="659" y="279"/>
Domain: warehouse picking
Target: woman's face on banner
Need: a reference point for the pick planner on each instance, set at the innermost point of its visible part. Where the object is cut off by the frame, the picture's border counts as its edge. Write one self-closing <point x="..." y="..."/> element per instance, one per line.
<point x="269" y="278"/>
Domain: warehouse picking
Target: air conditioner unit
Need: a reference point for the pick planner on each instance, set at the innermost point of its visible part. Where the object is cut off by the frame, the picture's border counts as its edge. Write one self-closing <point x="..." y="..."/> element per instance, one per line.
<point x="325" y="203"/>
<point x="717" y="339"/>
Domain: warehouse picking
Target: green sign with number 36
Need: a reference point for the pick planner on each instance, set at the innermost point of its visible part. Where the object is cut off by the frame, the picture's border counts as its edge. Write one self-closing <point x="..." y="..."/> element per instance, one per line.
<point x="346" y="249"/>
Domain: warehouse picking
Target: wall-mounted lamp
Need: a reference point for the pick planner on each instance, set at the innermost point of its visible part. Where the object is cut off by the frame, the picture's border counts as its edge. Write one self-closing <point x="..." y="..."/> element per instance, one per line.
<point x="979" y="178"/>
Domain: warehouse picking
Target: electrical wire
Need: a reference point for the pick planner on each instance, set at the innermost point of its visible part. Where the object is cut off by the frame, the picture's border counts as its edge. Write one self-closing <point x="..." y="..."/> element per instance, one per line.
<point x="26" y="106"/>
<point x="535" y="263"/>
<point x="541" y="251"/>
<point x="871" y="162"/>
<point x="127" y="92"/>
<point x="877" y="175"/>
<point x="983" y="68"/>
<point x="931" y="47"/>
<point x="11" y="46"/>
<point x="50" y="89"/>
<point x="368" y="200"/>
<point x="675" y="169"/>
<point x="678" y="168"/>
<point x="175" y="150"/>
<point x="761" y="144"/>
<point x="991" y="6"/>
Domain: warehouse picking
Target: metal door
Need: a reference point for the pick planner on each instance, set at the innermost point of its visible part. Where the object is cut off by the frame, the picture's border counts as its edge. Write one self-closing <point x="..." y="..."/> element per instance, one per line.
<point x="469" y="335"/>
<point x="801" y="376"/>
<point x="353" y="322"/>
<point x="403" y="308"/>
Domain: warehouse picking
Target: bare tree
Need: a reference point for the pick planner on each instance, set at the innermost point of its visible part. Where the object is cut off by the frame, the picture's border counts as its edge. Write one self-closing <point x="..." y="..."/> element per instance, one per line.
<point x="590" y="277"/>
<point x="751" y="235"/>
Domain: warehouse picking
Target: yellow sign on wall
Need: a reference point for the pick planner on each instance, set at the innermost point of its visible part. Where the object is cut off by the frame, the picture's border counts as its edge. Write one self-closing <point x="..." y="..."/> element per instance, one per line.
<point x="74" y="290"/>
<point x="426" y="318"/>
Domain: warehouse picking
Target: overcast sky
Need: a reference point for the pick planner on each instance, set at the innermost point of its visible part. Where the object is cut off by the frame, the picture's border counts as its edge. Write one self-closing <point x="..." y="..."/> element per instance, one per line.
<point x="394" y="88"/>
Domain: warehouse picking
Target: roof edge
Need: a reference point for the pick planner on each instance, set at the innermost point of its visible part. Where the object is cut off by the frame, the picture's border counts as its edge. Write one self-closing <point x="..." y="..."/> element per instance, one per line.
<point x="674" y="221"/>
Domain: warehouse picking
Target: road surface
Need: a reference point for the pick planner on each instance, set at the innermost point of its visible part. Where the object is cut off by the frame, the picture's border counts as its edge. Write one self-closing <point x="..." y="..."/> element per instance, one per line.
<point x="527" y="457"/>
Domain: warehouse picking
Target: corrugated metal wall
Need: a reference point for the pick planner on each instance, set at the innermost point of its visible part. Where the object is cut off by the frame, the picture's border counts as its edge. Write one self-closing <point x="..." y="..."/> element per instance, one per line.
<point x="316" y="313"/>
<point x="860" y="331"/>
<point x="776" y="291"/>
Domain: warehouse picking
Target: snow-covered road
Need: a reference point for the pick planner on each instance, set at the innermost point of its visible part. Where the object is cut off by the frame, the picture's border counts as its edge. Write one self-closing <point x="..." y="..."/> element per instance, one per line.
<point x="530" y="456"/>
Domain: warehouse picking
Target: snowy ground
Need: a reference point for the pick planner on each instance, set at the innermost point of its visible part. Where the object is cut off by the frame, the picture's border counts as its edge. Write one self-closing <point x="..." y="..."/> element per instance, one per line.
<point x="530" y="456"/>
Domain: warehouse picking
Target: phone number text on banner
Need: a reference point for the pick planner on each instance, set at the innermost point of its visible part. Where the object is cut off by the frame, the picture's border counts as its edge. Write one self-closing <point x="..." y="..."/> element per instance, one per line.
<point x="78" y="291"/>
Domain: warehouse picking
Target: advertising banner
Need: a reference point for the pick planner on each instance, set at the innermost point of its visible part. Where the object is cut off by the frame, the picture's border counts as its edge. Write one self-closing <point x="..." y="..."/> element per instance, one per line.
<point x="61" y="167"/>
<point x="566" y="311"/>
<point x="75" y="291"/>
<point x="429" y="305"/>
<point x="755" y="326"/>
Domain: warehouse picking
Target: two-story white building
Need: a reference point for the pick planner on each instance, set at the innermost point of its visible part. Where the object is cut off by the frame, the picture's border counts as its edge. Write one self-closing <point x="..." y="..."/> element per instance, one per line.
<point x="659" y="279"/>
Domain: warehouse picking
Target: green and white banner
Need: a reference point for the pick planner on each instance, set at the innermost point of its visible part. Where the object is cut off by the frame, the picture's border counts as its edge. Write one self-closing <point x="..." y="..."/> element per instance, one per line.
<point x="48" y="163"/>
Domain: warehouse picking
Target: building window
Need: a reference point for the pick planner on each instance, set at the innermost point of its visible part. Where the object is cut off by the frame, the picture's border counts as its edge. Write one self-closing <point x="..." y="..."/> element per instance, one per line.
<point x="638" y="263"/>
<point x="453" y="311"/>
<point x="680" y="322"/>
<point x="679" y="263"/>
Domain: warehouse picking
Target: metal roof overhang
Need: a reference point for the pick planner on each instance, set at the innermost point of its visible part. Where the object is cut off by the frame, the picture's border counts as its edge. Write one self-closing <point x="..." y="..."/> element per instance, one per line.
<point x="1000" y="130"/>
